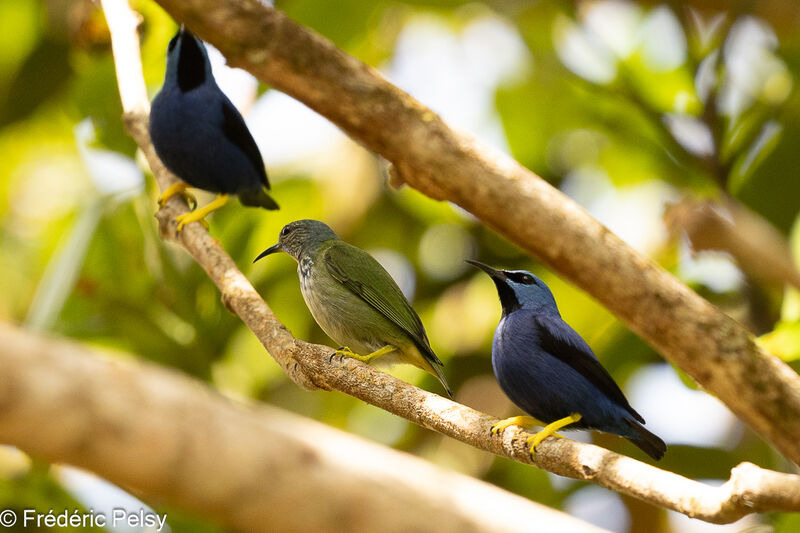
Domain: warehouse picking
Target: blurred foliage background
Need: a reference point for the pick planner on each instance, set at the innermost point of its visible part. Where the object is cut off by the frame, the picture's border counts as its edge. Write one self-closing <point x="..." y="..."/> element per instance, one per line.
<point x="627" y="107"/>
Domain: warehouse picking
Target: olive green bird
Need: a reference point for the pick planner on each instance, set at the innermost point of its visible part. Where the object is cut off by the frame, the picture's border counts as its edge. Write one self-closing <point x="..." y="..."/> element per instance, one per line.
<point x="354" y="300"/>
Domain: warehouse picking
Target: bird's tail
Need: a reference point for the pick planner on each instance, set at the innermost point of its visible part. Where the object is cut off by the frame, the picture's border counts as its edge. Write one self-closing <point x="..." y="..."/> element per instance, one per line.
<point x="423" y="357"/>
<point x="647" y="441"/>
<point x="258" y="198"/>
<point x="439" y="371"/>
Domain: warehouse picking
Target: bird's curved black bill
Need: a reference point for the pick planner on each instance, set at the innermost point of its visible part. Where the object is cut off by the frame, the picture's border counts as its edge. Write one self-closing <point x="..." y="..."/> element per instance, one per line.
<point x="271" y="250"/>
<point x="493" y="272"/>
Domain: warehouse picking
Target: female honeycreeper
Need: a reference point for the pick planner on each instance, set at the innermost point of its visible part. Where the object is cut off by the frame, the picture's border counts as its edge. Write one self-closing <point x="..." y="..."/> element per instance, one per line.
<point x="550" y="372"/>
<point x="354" y="300"/>
<point x="201" y="137"/>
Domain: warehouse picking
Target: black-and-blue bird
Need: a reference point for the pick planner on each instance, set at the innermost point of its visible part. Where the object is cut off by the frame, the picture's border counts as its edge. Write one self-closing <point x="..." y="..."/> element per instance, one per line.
<point x="550" y="372"/>
<point x="201" y="137"/>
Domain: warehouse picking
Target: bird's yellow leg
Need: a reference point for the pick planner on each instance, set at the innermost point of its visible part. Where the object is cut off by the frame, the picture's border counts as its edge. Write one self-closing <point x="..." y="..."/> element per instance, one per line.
<point x="550" y="430"/>
<point x="175" y="189"/>
<point x="526" y="422"/>
<point x="347" y="352"/>
<point x="199" y="214"/>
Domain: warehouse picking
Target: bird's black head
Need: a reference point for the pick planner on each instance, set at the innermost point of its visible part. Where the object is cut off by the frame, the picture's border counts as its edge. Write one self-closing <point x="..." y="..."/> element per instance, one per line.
<point x="187" y="61"/>
<point x="519" y="289"/>
<point x="300" y="237"/>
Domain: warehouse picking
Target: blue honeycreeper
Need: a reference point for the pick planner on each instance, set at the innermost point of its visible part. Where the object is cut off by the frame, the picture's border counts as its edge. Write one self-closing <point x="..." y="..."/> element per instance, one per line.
<point x="550" y="372"/>
<point x="201" y="137"/>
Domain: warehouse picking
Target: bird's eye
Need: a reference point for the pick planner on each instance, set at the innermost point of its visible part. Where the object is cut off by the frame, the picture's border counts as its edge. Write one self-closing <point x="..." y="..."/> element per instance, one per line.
<point x="172" y="43"/>
<point x="285" y="231"/>
<point x="527" y="279"/>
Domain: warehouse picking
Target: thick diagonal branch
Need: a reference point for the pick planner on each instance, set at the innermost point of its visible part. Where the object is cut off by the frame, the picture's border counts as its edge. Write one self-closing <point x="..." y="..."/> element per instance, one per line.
<point x="445" y="164"/>
<point x="309" y="364"/>
<point x="252" y="468"/>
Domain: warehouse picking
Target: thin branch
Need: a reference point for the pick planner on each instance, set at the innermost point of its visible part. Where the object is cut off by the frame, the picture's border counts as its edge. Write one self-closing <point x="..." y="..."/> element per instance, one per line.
<point x="251" y="467"/>
<point x="310" y="366"/>
<point x="442" y="163"/>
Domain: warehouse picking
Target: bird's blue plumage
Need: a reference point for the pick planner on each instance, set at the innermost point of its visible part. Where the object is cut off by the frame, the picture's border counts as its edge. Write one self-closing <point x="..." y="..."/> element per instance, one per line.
<point x="549" y="371"/>
<point x="198" y="133"/>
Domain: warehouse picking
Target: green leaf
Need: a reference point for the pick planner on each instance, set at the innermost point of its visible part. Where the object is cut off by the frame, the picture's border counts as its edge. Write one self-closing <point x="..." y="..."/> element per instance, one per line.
<point x="783" y="341"/>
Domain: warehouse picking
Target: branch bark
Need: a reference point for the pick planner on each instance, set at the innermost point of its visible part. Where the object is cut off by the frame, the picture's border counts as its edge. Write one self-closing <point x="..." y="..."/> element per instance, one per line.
<point x="726" y="225"/>
<point x="252" y="468"/>
<point x="310" y="366"/>
<point x="445" y="164"/>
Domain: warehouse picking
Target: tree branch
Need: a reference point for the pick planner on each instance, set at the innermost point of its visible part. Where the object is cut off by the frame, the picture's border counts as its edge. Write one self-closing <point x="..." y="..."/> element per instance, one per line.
<point x="310" y="366"/>
<point x="442" y="163"/>
<point x="726" y="225"/>
<point x="251" y="467"/>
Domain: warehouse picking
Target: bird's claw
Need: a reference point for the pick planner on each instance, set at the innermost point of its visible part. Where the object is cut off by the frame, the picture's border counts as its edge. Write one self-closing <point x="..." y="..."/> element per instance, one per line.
<point x="550" y="431"/>
<point x="190" y="199"/>
<point x="199" y="214"/>
<point x="186" y="218"/>
<point x="534" y="440"/>
<point x="522" y="421"/>
<point x="500" y="426"/>
<point x="177" y="188"/>
<point x="345" y="351"/>
<point x="342" y="352"/>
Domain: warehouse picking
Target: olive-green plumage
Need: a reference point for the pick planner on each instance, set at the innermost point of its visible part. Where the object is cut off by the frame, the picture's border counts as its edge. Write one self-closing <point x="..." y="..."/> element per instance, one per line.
<point x="352" y="297"/>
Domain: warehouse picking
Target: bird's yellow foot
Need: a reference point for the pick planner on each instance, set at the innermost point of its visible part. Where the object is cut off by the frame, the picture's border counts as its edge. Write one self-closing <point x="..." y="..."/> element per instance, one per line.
<point x="342" y="352"/>
<point x="526" y="422"/>
<point x="178" y="188"/>
<point x="187" y="218"/>
<point x="550" y="430"/>
<point x="347" y="352"/>
<point x="199" y="214"/>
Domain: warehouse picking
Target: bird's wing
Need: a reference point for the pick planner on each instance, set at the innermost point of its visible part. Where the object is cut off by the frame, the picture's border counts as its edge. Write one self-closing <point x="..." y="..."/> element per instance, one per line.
<point x="563" y="342"/>
<point x="235" y="130"/>
<point x="367" y="279"/>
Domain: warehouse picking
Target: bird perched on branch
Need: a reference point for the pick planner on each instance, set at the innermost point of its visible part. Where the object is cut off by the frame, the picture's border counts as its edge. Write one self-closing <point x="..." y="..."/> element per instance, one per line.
<point x="201" y="137"/>
<point x="550" y="372"/>
<point x="354" y="300"/>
